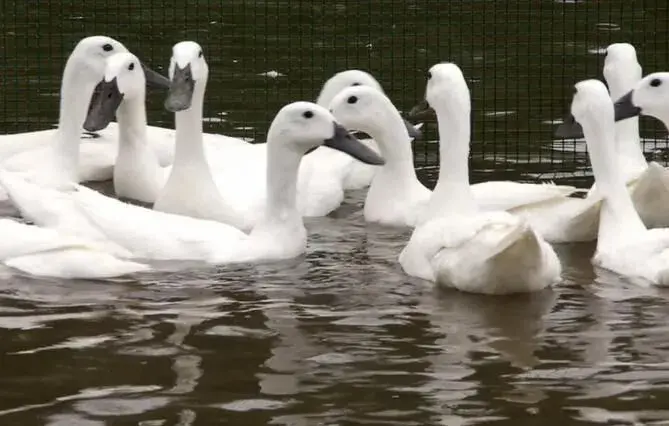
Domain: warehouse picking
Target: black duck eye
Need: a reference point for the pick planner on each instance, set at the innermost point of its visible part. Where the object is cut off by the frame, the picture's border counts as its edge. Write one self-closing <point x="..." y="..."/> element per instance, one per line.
<point x="131" y="66"/>
<point x="355" y="84"/>
<point x="352" y="99"/>
<point x="107" y="47"/>
<point x="429" y="75"/>
<point x="199" y="55"/>
<point x="308" y="114"/>
<point x="656" y="82"/>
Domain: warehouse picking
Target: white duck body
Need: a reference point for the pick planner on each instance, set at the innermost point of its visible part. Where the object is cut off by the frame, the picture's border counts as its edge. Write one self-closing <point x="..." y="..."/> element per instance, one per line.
<point x="624" y="245"/>
<point x="48" y="253"/>
<point x="396" y="197"/>
<point x="459" y="245"/>
<point x="280" y="234"/>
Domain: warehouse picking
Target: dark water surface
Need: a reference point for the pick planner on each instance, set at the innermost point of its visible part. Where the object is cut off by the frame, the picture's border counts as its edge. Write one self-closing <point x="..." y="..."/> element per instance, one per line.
<point x="340" y="336"/>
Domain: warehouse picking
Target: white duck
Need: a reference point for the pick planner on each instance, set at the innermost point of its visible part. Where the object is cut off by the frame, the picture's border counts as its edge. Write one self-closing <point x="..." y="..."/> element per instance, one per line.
<point x="648" y="183"/>
<point x="459" y="245"/>
<point x="55" y="157"/>
<point x="624" y="245"/>
<point x="396" y="196"/>
<point x="236" y="190"/>
<point x="280" y="233"/>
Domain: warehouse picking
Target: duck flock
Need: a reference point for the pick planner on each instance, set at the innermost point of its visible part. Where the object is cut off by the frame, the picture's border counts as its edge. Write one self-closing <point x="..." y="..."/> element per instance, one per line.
<point x="221" y="200"/>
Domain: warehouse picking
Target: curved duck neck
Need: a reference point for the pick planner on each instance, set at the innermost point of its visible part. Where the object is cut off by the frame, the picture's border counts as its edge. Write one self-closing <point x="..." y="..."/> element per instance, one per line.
<point x="619" y="219"/>
<point x="75" y="94"/>
<point x="394" y="144"/>
<point x="452" y="194"/>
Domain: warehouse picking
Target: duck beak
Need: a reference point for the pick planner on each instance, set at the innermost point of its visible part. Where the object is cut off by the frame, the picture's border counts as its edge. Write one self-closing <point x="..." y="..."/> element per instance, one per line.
<point x="624" y="108"/>
<point x="155" y="80"/>
<point x="181" y="90"/>
<point x="343" y="141"/>
<point x="105" y="100"/>
<point x="569" y="129"/>
<point x="422" y="109"/>
<point x="413" y="132"/>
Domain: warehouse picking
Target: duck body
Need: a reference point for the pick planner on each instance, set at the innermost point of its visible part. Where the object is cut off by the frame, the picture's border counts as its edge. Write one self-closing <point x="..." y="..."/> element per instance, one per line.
<point x="488" y="253"/>
<point x="48" y="253"/>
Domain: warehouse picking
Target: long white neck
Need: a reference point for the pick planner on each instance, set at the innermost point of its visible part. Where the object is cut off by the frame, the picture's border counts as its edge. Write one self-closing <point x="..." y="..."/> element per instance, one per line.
<point x="619" y="219"/>
<point x="395" y="145"/>
<point x="282" y="169"/>
<point x="622" y="78"/>
<point x="189" y="148"/>
<point x="131" y="116"/>
<point x="75" y="94"/>
<point x="452" y="194"/>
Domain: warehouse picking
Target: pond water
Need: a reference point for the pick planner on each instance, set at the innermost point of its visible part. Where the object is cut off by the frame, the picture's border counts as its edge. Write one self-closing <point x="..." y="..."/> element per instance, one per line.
<point x="340" y="336"/>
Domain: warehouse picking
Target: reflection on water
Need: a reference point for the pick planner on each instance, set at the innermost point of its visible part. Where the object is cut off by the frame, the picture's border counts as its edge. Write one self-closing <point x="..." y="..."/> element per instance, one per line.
<point x="339" y="336"/>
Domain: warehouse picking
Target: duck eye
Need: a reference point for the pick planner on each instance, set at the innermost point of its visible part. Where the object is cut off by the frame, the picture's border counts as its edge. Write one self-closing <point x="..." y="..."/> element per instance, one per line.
<point x="308" y="114"/>
<point x="355" y="84"/>
<point x="131" y="66"/>
<point x="199" y="55"/>
<point x="429" y="75"/>
<point x="352" y="99"/>
<point x="107" y="47"/>
<point x="656" y="82"/>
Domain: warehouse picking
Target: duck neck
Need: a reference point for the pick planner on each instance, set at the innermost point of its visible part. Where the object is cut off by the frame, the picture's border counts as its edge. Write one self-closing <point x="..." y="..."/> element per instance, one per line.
<point x="395" y="146"/>
<point x="622" y="78"/>
<point x="189" y="148"/>
<point x="629" y="143"/>
<point x="619" y="219"/>
<point x="282" y="169"/>
<point x="75" y="94"/>
<point x="452" y="194"/>
<point x="131" y="116"/>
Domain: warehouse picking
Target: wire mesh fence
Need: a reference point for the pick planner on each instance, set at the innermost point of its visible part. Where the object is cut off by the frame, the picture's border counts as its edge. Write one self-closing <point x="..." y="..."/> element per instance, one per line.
<point x="521" y="59"/>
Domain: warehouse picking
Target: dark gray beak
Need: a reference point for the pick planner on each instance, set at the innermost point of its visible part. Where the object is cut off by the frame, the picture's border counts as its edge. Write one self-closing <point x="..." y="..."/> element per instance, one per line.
<point x="413" y="132"/>
<point x="422" y="109"/>
<point x="343" y="141"/>
<point x="569" y="129"/>
<point x="155" y="80"/>
<point x="104" y="102"/>
<point x="182" y="86"/>
<point x="624" y="108"/>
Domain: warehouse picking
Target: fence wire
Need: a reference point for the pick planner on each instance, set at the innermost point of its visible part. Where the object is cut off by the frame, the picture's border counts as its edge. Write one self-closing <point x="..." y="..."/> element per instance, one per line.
<point x="521" y="59"/>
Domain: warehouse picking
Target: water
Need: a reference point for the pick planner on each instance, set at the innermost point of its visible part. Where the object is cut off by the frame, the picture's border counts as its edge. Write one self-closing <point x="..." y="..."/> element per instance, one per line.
<point x="340" y="336"/>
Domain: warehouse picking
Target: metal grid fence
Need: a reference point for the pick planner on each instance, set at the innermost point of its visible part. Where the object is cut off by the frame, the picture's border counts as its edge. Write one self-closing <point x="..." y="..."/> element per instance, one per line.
<point x="521" y="58"/>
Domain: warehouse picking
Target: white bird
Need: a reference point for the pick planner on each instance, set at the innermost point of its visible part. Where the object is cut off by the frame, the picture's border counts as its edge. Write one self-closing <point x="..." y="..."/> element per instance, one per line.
<point x="624" y="245"/>
<point x="54" y="157"/>
<point x="396" y="196"/>
<point x="459" y="245"/>
<point x="148" y="234"/>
